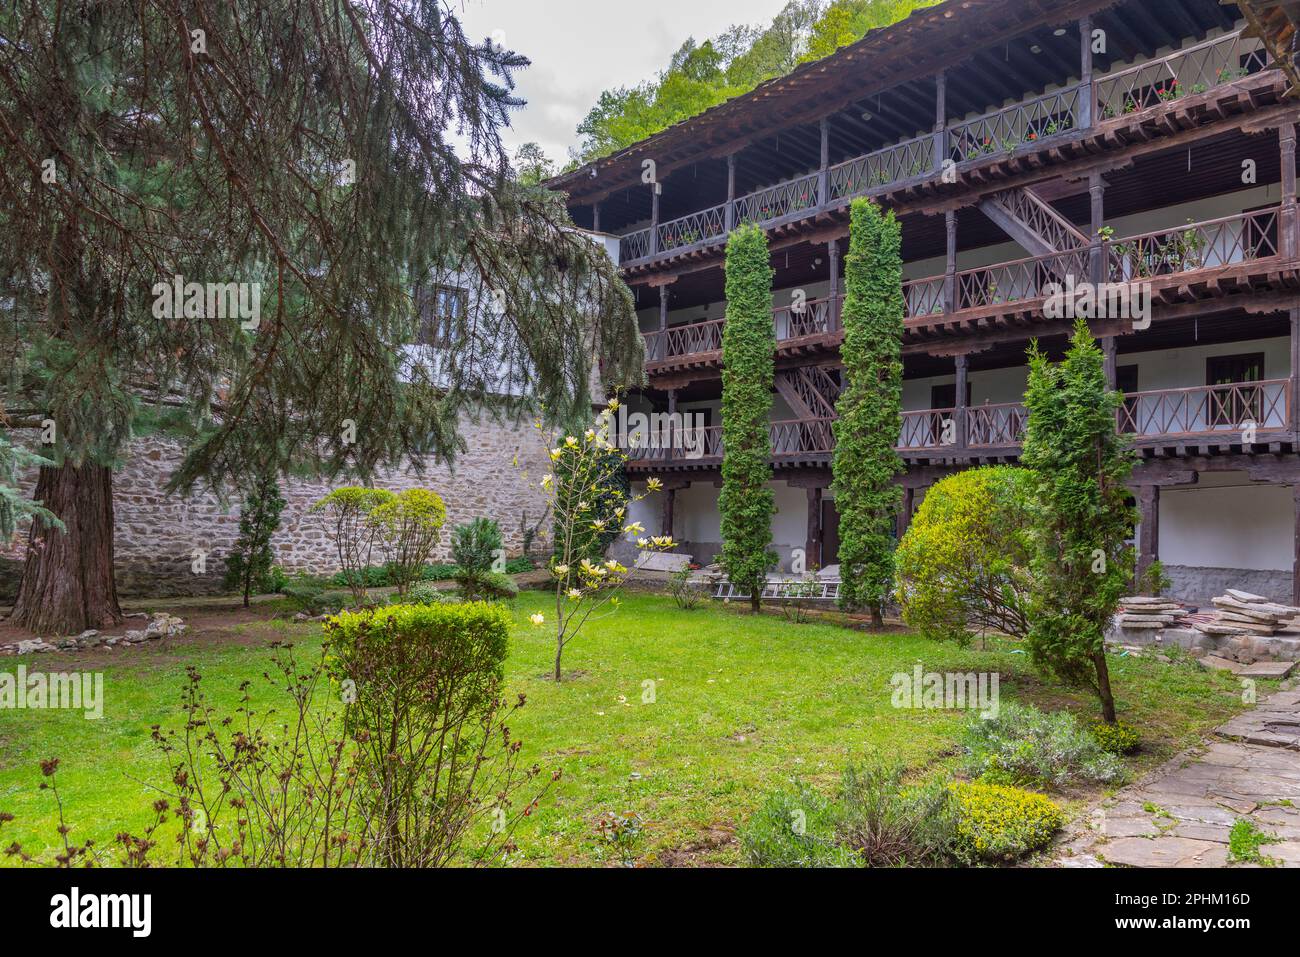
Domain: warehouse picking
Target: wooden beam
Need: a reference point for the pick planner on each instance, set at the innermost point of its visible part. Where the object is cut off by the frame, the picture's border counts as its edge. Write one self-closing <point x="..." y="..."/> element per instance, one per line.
<point x="1149" y="530"/>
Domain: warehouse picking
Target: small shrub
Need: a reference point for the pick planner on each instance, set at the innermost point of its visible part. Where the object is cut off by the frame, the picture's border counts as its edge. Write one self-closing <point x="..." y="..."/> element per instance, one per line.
<point x="490" y="586"/>
<point x="348" y="510"/>
<point x="476" y="546"/>
<point x="249" y="564"/>
<point x="795" y="828"/>
<point x="891" y="825"/>
<point x="423" y="593"/>
<point x="685" y="591"/>
<point x="408" y="526"/>
<point x="1118" y="738"/>
<point x="998" y="823"/>
<point x="1023" y="745"/>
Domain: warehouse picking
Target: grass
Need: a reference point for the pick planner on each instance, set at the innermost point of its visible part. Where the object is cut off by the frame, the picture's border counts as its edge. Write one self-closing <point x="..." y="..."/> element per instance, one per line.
<point x="684" y="719"/>
<point x="1244" y="843"/>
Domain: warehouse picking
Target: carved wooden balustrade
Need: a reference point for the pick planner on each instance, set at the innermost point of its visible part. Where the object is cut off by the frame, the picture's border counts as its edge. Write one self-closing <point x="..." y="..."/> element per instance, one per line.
<point x="683" y="340"/>
<point x="995" y="425"/>
<point x="779" y="201"/>
<point x="814" y="316"/>
<point x="1007" y="129"/>
<point x="1244" y="237"/>
<point x="1207" y="410"/>
<point x="928" y="429"/>
<point x="881" y="168"/>
<point x="1196" y="69"/>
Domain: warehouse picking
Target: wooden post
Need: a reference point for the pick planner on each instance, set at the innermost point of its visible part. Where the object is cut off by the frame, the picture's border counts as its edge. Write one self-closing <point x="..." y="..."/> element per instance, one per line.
<point x="595" y="217"/>
<point x="959" y="416"/>
<point x="730" y="214"/>
<point x="1295" y="371"/>
<point x="940" y="118"/>
<point x="1149" y="533"/>
<point x="1286" y="137"/>
<point x="1108" y="360"/>
<point x="672" y="425"/>
<point x="1088" y="91"/>
<point x="1295" y="561"/>
<point x="833" y="309"/>
<point x="670" y="495"/>
<point x="1096" y="221"/>
<point x="823" y="174"/>
<point x="813" y="546"/>
<point x="654" y="218"/>
<point x="950" y="270"/>
<point x="663" y="308"/>
<point x="905" y="511"/>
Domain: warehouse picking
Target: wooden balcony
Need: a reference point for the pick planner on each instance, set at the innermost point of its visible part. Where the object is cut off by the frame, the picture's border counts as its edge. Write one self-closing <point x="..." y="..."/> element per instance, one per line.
<point x="1034" y="124"/>
<point x="1245" y="416"/>
<point x="1192" y="262"/>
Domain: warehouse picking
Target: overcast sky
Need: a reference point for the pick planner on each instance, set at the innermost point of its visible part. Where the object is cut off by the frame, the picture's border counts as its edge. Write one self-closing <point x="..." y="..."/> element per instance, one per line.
<point x="580" y="47"/>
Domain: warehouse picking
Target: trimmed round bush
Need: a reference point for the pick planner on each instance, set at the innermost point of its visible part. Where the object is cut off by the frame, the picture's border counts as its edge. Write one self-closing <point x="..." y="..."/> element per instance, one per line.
<point x="1117" y="738"/>
<point x="999" y="824"/>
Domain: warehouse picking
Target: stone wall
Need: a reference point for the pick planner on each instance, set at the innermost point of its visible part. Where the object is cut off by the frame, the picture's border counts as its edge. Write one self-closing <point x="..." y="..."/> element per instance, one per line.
<point x="158" y="536"/>
<point x="1197" y="586"/>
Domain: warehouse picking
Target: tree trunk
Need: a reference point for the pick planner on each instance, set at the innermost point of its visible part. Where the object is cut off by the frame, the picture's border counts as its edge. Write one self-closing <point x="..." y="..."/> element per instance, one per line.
<point x="877" y="618"/>
<point x="1103" y="686"/>
<point x="67" y="583"/>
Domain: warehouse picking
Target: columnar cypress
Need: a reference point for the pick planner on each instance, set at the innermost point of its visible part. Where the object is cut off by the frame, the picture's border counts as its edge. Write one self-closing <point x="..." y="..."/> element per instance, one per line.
<point x="869" y="409"/>
<point x="1081" y="517"/>
<point x="748" y="375"/>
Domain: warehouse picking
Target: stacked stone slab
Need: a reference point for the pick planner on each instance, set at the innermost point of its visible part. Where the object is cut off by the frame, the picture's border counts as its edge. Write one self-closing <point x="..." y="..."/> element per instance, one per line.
<point x="1243" y="615"/>
<point x="1145" y="614"/>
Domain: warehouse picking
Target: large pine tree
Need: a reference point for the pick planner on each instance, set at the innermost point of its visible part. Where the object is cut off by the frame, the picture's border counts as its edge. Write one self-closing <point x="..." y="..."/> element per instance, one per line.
<point x="342" y="156"/>
<point x="748" y="376"/>
<point x="1082" y="518"/>
<point x="869" y="409"/>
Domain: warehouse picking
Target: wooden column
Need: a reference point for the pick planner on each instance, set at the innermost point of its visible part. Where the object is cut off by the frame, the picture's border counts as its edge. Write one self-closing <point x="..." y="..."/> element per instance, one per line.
<point x="1108" y="360"/>
<point x="1149" y="533"/>
<point x="1286" y="137"/>
<point x="940" y="118"/>
<point x="1097" y="220"/>
<point x="833" y="310"/>
<point x="672" y="423"/>
<point x="730" y="215"/>
<point x="1088" y="93"/>
<point x="663" y="308"/>
<point x="670" y="496"/>
<point x="654" y="218"/>
<point x="959" y="416"/>
<point x="813" y="546"/>
<point x="823" y="174"/>
<point x="595" y="217"/>
<point x="1295" y="371"/>
<point x="950" y="270"/>
<point x="1295" y="561"/>
<point x="905" y="511"/>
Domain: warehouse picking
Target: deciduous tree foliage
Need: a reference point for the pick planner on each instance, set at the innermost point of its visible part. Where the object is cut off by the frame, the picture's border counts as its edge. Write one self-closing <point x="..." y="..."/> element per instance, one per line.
<point x="701" y="75"/>
<point x="342" y="156"/>
<point x="869" y="409"/>
<point x="747" y="503"/>
<point x="1081" y="517"/>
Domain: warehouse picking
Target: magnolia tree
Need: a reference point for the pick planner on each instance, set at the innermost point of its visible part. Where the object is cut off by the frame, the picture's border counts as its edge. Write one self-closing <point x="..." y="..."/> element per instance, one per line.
<point x="583" y="495"/>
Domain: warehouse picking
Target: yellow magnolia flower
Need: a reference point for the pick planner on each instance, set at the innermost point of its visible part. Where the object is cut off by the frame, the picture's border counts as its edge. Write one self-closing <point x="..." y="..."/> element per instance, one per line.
<point x="613" y="405"/>
<point x="570" y="441"/>
<point x="633" y="528"/>
<point x="575" y="594"/>
<point x="555" y="454"/>
<point x="561" y="570"/>
<point x="537" y="619"/>
<point x="547" y="481"/>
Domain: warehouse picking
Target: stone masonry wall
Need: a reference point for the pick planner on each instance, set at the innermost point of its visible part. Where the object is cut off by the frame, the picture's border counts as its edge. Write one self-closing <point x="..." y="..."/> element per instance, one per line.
<point x="157" y="535"/>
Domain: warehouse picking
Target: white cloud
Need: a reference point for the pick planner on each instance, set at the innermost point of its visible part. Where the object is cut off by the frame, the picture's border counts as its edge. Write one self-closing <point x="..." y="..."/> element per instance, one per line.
<point x="581" y="47"/>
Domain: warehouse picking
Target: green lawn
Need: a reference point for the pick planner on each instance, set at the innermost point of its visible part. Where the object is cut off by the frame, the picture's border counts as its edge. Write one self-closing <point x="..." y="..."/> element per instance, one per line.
<point x="741" y="705"/>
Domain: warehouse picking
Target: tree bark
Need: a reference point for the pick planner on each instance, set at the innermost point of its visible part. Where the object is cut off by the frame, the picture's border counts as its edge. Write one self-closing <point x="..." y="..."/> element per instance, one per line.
<point x="67" y="583"/>
<point x="1103" y="686"/>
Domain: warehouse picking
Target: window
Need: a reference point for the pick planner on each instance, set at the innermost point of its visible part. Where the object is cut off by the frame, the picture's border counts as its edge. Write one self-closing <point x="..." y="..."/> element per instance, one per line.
<point x="441" y="309"/>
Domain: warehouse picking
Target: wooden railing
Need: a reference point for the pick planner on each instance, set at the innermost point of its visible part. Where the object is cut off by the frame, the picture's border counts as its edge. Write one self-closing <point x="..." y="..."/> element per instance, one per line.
<point x="1007" y="129"/>
<point x="812" y="317"/>
<point x="1196" y="69"/>
<point x="1245" y="237"/>
<point x="923" y="297"/>
<point x="1207" y="410"/>
<point x="1236" y="411"/>
<point x="928" y="429"/>
<point x="683" y="340"/>
<point x="995" y="425"/>
<point x="1018" y="281"/>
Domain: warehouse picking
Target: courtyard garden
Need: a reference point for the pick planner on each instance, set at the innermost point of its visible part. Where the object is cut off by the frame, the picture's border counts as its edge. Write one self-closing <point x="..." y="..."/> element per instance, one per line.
<point x="671" y="728"/>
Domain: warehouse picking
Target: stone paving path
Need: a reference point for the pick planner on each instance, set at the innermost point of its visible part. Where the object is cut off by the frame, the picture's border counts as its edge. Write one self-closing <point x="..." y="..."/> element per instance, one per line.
<point x="1181" y="815"/>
